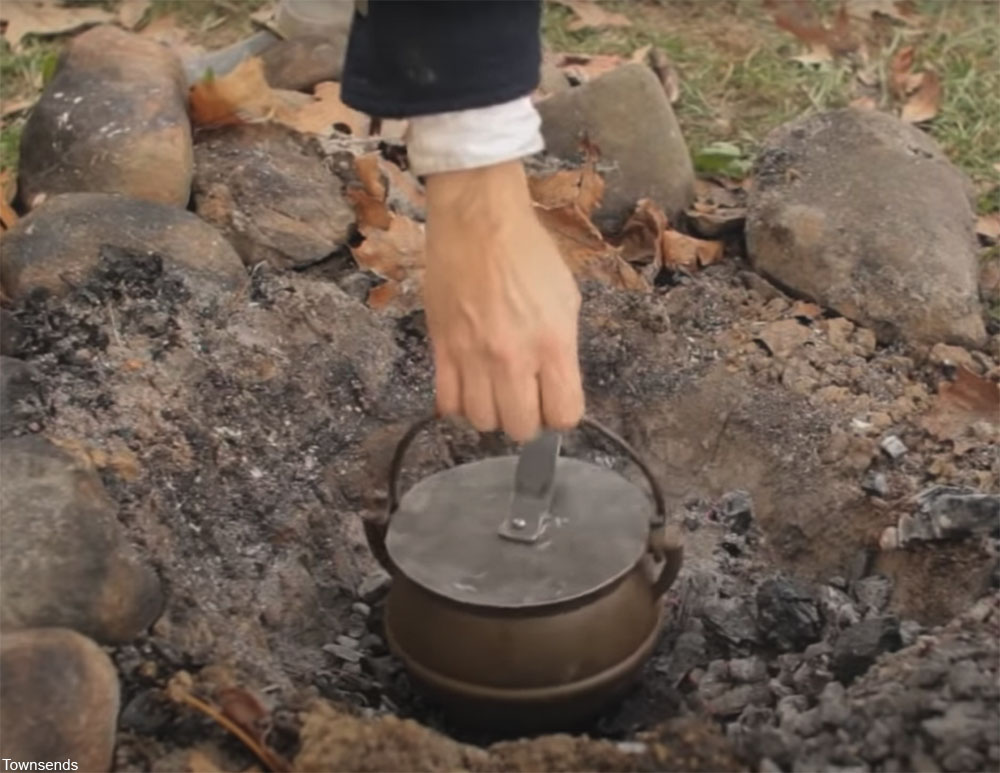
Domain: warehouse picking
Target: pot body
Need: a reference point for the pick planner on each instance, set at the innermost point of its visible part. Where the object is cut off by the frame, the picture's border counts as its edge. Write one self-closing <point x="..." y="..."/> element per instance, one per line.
<point x="531" y="669"/>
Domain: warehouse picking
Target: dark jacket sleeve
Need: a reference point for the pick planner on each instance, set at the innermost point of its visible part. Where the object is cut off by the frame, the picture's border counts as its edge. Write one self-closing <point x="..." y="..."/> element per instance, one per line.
<point x="415" y="57"/>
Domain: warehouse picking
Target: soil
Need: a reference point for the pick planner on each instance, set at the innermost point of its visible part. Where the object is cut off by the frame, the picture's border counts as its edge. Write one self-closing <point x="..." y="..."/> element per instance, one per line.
<point x="246" y="436"/>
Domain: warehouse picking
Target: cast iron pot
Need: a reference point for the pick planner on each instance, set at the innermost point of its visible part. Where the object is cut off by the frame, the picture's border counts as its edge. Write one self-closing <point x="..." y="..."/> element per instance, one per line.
<point x="526" y="591"/>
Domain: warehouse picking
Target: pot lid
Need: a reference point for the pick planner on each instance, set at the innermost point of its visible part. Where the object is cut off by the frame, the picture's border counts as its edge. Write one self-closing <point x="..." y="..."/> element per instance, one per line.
<point x="445" y="535"/>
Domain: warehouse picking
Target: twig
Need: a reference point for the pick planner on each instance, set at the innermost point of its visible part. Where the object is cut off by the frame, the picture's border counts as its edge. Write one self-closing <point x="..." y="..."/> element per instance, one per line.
<point x="114" y="324"/>
<point x="271" y="760"/>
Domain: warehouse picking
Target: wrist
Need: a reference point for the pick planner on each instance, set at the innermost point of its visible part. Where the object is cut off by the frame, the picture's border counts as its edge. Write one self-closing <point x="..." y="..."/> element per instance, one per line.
<point x="482" y="197"/>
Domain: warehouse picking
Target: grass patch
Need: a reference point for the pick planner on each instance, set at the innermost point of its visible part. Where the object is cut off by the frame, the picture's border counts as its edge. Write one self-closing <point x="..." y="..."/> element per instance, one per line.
<point x="739" y="79"/>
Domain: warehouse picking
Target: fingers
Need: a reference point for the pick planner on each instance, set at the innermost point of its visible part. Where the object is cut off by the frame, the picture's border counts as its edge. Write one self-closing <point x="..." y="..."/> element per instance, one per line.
<point x="561" y="391"/>
<point x="447" y="384"/>
<point x="518" y="403"/>
<point x="477" y="395"/>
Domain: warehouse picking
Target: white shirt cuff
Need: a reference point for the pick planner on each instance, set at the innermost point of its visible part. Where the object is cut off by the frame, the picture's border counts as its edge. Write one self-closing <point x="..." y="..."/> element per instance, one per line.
<point x="467" y="139"/>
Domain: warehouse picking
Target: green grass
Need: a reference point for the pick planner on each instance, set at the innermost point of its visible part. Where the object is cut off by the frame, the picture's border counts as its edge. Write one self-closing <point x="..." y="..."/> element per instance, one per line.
<point x="22" y="76"/>
<point x="739" y="79"/>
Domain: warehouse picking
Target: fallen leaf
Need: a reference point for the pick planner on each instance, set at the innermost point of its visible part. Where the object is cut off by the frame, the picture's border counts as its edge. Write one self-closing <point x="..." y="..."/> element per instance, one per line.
<point x="683" y="251"/>
<point x="367" y="167"/>
<point x="801" y="19"/>
<point x="961" y="403"/>
<point x="584" y="249"/>
<point x="641" y="55"/>
<point x="581" y="68"/>
<point x="669" y="76"/>
<point x="405" y="193"/>
<point x="369" y="211"/>
<point x="806" y="310"/>
<point x="240" y="96"/>
<point x="640" y="240"/>
<point x="327" y="112"/>
<point x="8" y="189"/>
<point x="897" y="10"/>
<point x="864" y="103"/>
<point x="988" y="227"/>
<point x="246" y="710"/>
<point x="926" y="100"/>
<point x="14" y="106"/>
<point x="45" y="18"/>
<point x="583" y="187"/>
<point x="589" y="14"/>
<point x="783" y="337"/>
<point x="131" y="12"/>
<point x="816" y="55"/>
<point x="715" y="223"/>
<point x="902" y="81"/>
<point x="394" y="252"/>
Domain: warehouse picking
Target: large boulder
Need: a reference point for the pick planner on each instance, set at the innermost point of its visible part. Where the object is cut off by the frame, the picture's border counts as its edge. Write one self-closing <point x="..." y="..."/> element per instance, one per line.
<point x="63" y="559"/>
<point x="59" y="700"/>
<point x="270" y="192"/>
<point x="864" y="214"/>
<point x="58" y="245"/>
<point x="628" y="117"/>
<point x="112" y="119"/>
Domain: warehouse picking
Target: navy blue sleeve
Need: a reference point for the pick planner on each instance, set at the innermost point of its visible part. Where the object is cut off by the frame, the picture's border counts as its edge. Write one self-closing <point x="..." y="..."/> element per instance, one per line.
<point x="416" y="57"/>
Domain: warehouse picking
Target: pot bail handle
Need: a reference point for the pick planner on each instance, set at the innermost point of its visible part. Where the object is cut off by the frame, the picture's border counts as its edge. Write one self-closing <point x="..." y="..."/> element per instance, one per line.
<point x="664" y="544"/>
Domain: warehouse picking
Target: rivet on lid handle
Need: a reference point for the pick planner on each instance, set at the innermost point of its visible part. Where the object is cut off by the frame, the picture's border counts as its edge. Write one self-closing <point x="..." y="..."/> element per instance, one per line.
<point x="534" y="482"/>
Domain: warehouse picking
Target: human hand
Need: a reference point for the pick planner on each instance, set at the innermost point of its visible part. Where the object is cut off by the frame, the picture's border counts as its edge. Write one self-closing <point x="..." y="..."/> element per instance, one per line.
<point x="501" y="304"/>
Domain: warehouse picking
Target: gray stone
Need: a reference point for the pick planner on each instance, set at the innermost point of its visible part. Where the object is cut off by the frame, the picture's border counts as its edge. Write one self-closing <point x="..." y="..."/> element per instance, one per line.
<point x="65" y="561"/>
<point x="59" y="244"/>
<point x="752" y="669"/>
<point x="688" y="652"/>
<point x="787" y="614"/>
<point x="875" y="483"/>
<point x="349" y="654"/>
<point x="736" y="510"/>
<point x="857" y="647"/>
<point x="732" y="702"/>
<point x="18" y="386"/>
<point x="374" y="587"/>
<point x="58" y="699"/>
<point x="864" y="214"/>
<point x="269" y="191"/>
<point x="838" y="609"/>
<point x="833" y="708"/>
<point x="113" y="119"/>
<point x="627" y="116"/>
<point x="11" y="334"/>
<point x="893" y="447"/>
<point x="300" y="63"/>
<point x="361" y="608"/>
<point x="873" y="593"/>
<point x="731" y="619"/>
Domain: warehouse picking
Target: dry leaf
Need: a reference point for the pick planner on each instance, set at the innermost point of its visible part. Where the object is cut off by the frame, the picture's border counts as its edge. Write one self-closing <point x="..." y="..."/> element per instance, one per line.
<point x="246" y="710"/>
<point x="14" y="106"/>
<point x="46" y="17"/>
<point x="897" y="10"/>
<point x="394" y="252"/>
<point x="902" y="81"/>
<point x="326" y="112"/>
<point x="667" y="73"/>
<point x="585" y="67"/>
<point x="800" y="18"/>
<point x="961" y="403"/>
<point x="640" y="55"/>
<point x="924" y="103"/>
<point x="8" y="189"/>
<point x="864" y="103"/>
<point x="583" y="187"/>
<point x="806" y="310"/>
<point x="131" y="12"/>
<point x="783" y="337"/>
<point x="240" y="96"/>
<point x="988" y="227"/>
<point x="683" y="251"/>
<point x="641" y="240"/>
<point x="590" y="14"/>
<point x="367" y="167"/>
<point x="369" y="211"/>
